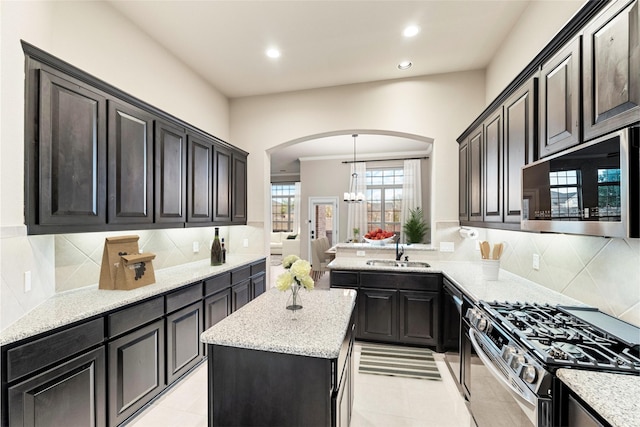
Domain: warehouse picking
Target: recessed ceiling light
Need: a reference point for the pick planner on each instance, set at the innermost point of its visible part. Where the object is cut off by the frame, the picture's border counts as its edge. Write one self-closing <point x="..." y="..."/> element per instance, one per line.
<point x="405" y="65"/>
<point x="273" y="53"/>
<point x="411" y="31"/>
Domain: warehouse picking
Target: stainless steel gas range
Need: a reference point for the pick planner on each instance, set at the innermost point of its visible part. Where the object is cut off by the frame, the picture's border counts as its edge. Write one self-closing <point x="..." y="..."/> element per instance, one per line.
<point x="520" y="346"/>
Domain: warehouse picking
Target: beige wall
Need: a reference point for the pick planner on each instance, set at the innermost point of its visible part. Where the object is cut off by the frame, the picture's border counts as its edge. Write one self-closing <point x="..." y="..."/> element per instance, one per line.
<point x="538" y="24"/>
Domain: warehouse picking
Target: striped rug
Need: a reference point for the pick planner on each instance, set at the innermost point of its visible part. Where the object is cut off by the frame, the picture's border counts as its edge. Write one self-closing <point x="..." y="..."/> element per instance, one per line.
<point x="393" y="360"/>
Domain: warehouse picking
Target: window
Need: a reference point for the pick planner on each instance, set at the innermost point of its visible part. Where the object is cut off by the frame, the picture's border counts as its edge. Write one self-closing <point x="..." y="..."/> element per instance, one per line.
<point x="384" y="198"/>
<point x="282" y="206"/>
<point x="609" y="193"/>
<point x="565" y="194"/>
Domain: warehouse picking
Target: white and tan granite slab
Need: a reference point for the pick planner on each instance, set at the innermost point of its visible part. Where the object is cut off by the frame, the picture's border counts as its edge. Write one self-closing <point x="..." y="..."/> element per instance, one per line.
<point x="616" y="397"/>
<point x="468" y="276"/>
<point x="265" y="324"/>
<point x="73" y="306"/>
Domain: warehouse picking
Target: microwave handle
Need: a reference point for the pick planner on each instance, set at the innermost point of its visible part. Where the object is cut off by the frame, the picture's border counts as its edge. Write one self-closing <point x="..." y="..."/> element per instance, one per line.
<point x="488" y="363"/>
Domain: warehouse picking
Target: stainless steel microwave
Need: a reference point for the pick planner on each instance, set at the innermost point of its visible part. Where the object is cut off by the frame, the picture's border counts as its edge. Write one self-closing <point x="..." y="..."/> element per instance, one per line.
<point x="591" y="189"/>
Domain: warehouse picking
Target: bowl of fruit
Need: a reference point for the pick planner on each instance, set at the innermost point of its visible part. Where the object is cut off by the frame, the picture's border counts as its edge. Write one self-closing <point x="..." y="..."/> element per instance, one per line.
<point x="379" y="237"/>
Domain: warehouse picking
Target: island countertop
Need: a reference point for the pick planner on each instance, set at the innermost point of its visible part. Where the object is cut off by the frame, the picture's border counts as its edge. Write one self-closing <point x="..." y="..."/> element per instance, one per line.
<point x="265" y="324"/>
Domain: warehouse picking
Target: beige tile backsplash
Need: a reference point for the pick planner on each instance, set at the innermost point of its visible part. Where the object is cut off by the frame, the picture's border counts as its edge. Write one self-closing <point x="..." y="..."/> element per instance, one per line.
<point x="603" y="272"/>
<point x="599" y="271"/>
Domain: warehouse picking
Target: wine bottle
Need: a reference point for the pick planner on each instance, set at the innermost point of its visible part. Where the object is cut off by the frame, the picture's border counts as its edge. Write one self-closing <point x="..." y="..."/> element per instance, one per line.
<point x="216" y="249"/>
<point x="224" y="252"/>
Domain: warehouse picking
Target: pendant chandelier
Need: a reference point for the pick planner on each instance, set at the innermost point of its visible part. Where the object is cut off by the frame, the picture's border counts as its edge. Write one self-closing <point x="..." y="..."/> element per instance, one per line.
<point x="352" y="196"/>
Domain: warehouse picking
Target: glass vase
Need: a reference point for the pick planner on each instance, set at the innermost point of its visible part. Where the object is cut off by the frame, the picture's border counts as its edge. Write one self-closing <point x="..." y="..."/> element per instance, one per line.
<point x="294" y="302"/>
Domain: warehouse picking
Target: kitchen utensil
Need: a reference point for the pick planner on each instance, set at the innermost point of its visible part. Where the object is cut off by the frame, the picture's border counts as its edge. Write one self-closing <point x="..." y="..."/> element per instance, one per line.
<point x="485" y="249"/>
<point x="497" y="250"/>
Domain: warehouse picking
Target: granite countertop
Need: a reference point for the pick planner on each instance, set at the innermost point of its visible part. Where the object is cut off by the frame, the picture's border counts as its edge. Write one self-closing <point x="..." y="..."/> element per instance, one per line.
<point x="72" y="306"/>
<point x="613" y="396"/>
<point x="265" y="324"/>
<point x="469" y="278"/>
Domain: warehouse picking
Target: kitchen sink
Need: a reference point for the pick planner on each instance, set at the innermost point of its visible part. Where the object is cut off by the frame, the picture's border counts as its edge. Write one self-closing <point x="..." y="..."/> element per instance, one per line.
<point x="392" y="263"/>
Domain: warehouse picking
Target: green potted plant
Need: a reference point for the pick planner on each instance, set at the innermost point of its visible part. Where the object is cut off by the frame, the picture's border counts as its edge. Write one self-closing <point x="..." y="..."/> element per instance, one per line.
<point x="415" y="228"/>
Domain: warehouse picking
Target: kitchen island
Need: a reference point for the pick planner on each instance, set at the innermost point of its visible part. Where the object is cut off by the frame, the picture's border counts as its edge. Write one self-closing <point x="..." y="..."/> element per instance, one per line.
<point x="268" y="368"/>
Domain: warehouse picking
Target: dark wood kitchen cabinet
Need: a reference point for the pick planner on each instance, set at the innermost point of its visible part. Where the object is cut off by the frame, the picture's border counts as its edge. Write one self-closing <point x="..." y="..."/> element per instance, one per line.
<point x="68" y="174"/>
<point x="492" y="168"/>
<point x="71" y="394"/>
<point x="559" y="121"/>
<point x="378" y="314"/>
<point x="418" y="317"/>
<point x="222" y="184"/>
<point x="199" y="179"/>
<point x="136" y="370"/>
<point x="611" y="87"/>
<point x="98" y="159"/>
<point x="170" y="173"/>
<point x="130" y="165"/>
<point x="239" y="189"/>
<point x="520" y="142"/>
<point x="476" y="174"/>
<point x="463" y="181"/>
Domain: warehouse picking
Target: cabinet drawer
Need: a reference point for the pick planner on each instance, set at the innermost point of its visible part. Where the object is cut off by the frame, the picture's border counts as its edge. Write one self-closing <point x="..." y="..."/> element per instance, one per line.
<point x="132" y="317"/>
<point x="48" y="350"/>
<point x="408" y="281"/>
<point x="178" y="299"/>
<point x="344" y="278"/>
<point x="240" y="274"/>
<point x="217" y="283"/>
<point x="258" y="268"/>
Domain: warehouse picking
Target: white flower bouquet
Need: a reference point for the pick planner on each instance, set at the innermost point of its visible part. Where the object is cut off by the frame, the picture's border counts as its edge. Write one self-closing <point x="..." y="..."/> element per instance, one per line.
<point x="296" y="276"/>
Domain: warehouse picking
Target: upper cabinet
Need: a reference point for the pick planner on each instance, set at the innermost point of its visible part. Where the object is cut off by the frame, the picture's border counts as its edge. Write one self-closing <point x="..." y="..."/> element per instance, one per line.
<point x="69" y="172"/>
<point x="560" y="100"/>
<point x="171" y="173"/>
<point x="611" y="88"/>
<point x="130" y="167"/>
<point x="98" y="159"/>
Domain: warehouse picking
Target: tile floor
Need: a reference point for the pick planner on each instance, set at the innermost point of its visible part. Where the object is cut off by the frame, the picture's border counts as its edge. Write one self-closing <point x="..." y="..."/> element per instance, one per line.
<point x="378" y="400"/>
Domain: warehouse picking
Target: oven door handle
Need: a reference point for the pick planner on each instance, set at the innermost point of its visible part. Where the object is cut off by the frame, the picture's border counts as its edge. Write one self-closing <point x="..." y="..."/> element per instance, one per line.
<point x="488" y="363"/>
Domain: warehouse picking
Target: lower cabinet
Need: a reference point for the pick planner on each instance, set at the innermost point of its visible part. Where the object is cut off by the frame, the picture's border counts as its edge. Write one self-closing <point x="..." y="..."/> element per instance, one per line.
<point x="217" y="307"/>
<point x="184" y="349"/>
<point x="258" y="286"/>
<point x="71" y="394"/>
<point x="378" y="315"/>
<point x="136" y="370"/>
<point x="240" y="294"/>
<point x="418" y="317"/>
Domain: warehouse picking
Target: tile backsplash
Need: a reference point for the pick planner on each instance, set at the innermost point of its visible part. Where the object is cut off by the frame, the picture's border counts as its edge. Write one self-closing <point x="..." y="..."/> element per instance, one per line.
<point x="599" y="271"/>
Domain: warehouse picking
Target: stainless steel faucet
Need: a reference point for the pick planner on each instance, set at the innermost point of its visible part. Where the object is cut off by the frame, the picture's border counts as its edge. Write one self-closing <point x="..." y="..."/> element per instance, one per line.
<point x="399" y="250"/>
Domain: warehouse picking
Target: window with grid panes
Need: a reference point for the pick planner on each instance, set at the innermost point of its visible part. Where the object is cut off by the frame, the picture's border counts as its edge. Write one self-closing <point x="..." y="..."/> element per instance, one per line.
<point x="565" y="194"/>
<point x="609" y="194"/>
<point x="384" y="198"/>
<point x="282" y="206"/>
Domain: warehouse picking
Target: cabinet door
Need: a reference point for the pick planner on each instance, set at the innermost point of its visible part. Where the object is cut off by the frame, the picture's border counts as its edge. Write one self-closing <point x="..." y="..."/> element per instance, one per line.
<point x="217" y="307"/>
<point x="72" y="154"/>
<point x="560" y="100"/>
<point x="71" y="394"/>
<point x="130" y="165"/>
<point x="257" y="286"/>
<point x="136" y="370"/>
<point x="239" y="188"/>
<point x="463" y="181"/>
<point x="493" y="168"/>
<point x="611" y="87"/>
<point x="519" y="145"/>
<point x="171" y="175"/>
<point x="200" y="180"/>
<point x="419" y="317"/>
<point x="240" y="294"/>
<point x="475" y="174"/>
<point x="184" y="349"/>
<point x="222" y="184"/>
<point x="378" y="314"/>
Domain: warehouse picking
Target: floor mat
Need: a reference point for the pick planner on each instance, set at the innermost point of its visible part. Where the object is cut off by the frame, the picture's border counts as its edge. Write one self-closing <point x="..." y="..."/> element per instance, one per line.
<point x="393" y="360"/>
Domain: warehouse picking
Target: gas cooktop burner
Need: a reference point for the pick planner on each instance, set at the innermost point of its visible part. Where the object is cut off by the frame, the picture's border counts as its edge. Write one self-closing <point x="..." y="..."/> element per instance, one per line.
<point x="559" y="338"/>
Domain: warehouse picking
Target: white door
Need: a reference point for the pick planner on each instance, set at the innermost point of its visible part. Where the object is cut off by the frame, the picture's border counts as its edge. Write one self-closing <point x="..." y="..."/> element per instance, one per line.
<point x="323" y="220"/>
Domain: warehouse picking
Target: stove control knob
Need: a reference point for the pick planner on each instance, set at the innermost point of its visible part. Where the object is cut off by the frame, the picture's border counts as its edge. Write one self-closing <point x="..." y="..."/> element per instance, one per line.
<point x="482" y="324"/>
<point x="507" y="351"/>
<point x="529" y="374"/>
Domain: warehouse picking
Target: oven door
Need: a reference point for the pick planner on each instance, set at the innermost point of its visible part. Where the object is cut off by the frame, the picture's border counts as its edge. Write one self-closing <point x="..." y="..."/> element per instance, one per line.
<point x="495" y="398"/>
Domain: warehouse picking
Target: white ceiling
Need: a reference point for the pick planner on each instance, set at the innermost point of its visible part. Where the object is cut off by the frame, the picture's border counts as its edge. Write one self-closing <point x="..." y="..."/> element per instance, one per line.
<point x="323" y="43"/>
